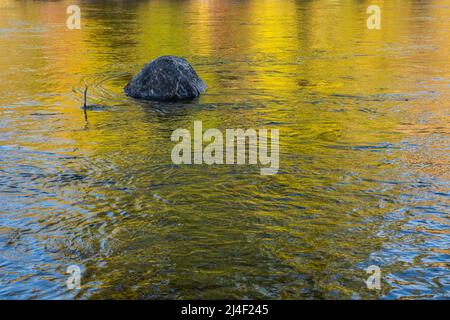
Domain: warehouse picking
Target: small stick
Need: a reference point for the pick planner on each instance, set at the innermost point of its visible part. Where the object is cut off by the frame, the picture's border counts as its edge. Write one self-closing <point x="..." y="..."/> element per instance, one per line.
<point x="85" y="94"/>
<point x="85" y="106"/>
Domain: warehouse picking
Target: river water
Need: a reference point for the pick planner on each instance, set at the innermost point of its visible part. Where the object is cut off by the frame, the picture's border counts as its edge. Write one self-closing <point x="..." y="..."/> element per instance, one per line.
<point x="364" y="151"/>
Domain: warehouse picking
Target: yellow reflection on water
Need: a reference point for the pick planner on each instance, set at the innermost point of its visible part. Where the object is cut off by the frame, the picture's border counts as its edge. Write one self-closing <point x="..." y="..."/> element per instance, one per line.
<point x="363" y="116"/>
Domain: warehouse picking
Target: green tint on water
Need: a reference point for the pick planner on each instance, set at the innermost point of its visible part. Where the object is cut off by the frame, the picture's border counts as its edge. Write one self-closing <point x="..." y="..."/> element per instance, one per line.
<point x="364" y="151"/>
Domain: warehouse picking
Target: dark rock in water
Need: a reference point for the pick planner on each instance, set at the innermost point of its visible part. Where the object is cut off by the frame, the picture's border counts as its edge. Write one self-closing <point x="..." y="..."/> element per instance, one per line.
<point x="166" y="78"/>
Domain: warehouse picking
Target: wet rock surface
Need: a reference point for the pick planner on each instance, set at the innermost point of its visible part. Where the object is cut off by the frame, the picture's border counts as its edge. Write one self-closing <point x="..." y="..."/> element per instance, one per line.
<point x="167" y="78"/>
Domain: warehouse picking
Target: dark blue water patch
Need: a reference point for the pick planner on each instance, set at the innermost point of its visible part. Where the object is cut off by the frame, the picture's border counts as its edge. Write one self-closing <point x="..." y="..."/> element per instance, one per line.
<point x="383" y="181"/>
<point x="67" y="178"/>
<point x="374" y="148"/>
<point x="95" y="107"/>
<point x="443" y="194"/>
<point x="422" y="184"/>
<point x="39" y="114"/>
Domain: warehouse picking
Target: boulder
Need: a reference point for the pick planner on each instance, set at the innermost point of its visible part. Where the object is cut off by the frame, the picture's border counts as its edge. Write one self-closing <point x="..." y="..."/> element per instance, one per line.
<point x="167" y="78"/>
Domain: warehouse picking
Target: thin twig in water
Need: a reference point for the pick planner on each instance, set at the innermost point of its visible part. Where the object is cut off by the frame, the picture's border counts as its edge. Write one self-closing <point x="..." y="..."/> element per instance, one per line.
<point x="85" y="105"/>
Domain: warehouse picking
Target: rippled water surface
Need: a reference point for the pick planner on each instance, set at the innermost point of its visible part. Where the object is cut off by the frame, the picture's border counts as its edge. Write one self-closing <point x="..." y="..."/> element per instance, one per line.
<point x="364" y="151"/>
